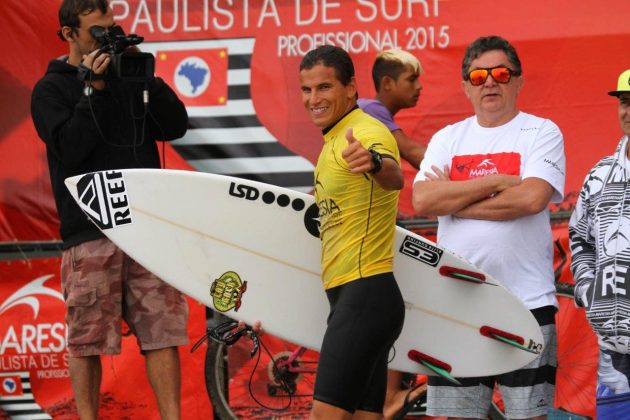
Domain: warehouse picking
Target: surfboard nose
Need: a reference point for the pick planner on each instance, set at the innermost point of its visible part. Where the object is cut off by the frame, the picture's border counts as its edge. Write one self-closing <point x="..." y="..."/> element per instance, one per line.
<point x="71" y="184"/>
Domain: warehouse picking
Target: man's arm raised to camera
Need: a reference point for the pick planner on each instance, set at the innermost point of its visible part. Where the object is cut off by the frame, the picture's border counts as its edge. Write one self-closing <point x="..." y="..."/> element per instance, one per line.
<point x="440" y="196"/>
<point x="98" y="63"/>
<point x="389" y="177"/>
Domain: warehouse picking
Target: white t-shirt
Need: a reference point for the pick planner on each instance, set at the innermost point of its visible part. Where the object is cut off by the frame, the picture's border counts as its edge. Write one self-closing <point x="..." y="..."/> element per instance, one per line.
<point x="518" y="253"/>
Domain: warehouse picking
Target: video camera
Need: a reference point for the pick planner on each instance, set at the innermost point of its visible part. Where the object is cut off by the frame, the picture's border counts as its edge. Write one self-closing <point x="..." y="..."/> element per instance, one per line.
<point x="128" y="66"/>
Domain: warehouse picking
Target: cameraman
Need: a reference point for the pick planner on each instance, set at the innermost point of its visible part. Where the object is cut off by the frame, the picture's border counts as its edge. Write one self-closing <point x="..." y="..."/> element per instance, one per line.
<point x="91" y="121"/>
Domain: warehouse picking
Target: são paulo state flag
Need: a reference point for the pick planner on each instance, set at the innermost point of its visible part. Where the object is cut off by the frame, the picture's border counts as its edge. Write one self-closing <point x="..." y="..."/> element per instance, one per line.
<point x="198" y="76"/>
<point x="10" y="385"/>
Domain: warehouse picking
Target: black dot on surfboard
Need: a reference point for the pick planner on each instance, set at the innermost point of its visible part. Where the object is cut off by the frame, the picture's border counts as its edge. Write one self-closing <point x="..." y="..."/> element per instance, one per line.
<point x="298" y="204"/>
<point x="283" y="200"/>
<point x="311" y="220"/>
<point x="269" y="197"/>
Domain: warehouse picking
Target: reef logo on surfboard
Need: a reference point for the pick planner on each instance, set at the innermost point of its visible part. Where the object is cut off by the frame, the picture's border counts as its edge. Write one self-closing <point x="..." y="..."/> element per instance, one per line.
<point x="103" y="197"/>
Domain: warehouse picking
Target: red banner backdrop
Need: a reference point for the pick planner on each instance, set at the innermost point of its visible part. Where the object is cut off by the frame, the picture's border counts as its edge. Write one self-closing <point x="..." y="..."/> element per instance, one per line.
<point x="571" y="51"/>
<point x="33" y="354"/>
<point x="247" y="117"/>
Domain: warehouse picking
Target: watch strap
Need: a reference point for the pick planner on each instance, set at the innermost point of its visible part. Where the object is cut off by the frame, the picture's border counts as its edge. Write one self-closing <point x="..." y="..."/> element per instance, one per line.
<point x="377" y="161"/>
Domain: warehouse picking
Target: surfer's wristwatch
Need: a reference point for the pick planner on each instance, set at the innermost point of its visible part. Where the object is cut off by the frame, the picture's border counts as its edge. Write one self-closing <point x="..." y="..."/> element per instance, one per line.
<point x="377" y="161"/>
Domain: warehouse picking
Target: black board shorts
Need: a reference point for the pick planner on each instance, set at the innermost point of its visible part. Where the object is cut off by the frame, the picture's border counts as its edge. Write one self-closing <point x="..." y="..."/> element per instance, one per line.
<point x="366" y="317"/>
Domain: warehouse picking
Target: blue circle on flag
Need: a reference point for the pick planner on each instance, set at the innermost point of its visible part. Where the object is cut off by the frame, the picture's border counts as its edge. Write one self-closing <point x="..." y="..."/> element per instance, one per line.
<point x="9" y="385"/>
<point x="192" y="76"/>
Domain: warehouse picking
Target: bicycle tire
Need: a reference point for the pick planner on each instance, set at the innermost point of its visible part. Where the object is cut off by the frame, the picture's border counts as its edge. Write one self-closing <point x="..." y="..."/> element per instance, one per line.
<point x="577" y="356"/>
<point x="216" y="382"/>
<point x="228" y="370"/>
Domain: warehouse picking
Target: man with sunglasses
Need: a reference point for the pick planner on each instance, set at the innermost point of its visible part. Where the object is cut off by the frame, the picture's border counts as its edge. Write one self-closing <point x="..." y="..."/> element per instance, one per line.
<point x="91" y="121"/>
<point x="599" y="232"/>
<point x="489" y="179"/>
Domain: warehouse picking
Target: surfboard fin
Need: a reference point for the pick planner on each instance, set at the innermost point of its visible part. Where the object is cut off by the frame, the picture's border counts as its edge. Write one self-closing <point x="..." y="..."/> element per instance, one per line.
<point x="507" y="338"/>
<point x="460" y="274"/>
<point x="514" y="343"/>
<point x="440" y="368"/>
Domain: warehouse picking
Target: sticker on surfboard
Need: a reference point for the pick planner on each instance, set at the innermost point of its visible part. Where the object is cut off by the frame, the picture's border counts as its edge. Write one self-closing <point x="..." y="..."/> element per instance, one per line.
<point x="103" y="197"/>
<point x="251" y="193"/>
<point x="421" y="251"/>
<point x="227" y="291"/>
<point x="311" y="220"/>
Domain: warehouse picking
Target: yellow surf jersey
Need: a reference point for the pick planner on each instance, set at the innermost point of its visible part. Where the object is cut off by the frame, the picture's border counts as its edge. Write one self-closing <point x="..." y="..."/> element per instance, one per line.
<point x="357" y="216"/>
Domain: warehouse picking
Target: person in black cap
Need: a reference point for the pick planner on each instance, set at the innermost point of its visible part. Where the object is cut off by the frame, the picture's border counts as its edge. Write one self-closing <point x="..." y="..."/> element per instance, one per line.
<point x="599" y="233"/>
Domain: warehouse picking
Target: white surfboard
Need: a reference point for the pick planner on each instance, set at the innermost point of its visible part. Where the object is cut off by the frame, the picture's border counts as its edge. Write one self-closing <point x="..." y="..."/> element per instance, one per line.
<point x="252" y="250"/>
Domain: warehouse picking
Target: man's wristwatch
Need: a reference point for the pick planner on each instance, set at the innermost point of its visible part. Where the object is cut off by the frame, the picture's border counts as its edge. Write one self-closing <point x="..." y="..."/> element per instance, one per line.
<point x="88" y="90"/>
<point x="377" y="161"/>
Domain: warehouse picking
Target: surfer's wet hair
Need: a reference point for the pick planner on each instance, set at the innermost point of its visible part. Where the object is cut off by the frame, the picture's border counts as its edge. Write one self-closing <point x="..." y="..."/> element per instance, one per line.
<point x="330" y="56"/>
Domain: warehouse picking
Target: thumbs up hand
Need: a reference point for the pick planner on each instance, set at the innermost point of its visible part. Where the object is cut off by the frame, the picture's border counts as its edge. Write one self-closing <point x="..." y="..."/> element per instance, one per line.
<point x="358" y="157"/>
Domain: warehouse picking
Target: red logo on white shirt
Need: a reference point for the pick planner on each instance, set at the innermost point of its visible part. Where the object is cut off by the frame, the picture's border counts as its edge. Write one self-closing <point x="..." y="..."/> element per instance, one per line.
<point x="474" y="166"/>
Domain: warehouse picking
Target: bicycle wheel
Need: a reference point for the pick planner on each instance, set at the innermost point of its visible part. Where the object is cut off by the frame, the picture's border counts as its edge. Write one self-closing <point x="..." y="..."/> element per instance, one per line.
<point x="576" y="375"/>
<point x="229" y="369"/>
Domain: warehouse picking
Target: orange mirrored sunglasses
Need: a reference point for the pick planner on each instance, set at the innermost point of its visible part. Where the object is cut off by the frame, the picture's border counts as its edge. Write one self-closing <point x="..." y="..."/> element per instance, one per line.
<point x="500" y="74"/>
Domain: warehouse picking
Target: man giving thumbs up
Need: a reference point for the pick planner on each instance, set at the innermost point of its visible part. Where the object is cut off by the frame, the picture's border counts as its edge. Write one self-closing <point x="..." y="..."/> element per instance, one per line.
<point x="357" y="179"/>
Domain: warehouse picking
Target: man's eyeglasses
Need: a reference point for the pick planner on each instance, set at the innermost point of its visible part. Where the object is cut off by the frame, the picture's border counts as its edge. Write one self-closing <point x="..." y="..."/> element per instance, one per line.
<point x="500" y="74"/>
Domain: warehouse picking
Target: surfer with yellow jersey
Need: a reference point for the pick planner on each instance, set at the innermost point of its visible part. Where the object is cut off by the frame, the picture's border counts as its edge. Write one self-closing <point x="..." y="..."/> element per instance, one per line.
<point x="347" y="210"/>
<point x="357" y="179"/>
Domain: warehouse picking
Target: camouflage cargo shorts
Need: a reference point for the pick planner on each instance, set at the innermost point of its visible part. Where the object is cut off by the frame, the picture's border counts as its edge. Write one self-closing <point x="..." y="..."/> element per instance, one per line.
<point x="102" y="286"/>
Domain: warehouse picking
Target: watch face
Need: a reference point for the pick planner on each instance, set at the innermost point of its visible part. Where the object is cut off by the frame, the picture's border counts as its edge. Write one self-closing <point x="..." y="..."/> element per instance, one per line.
<point x="87" y="90"/>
